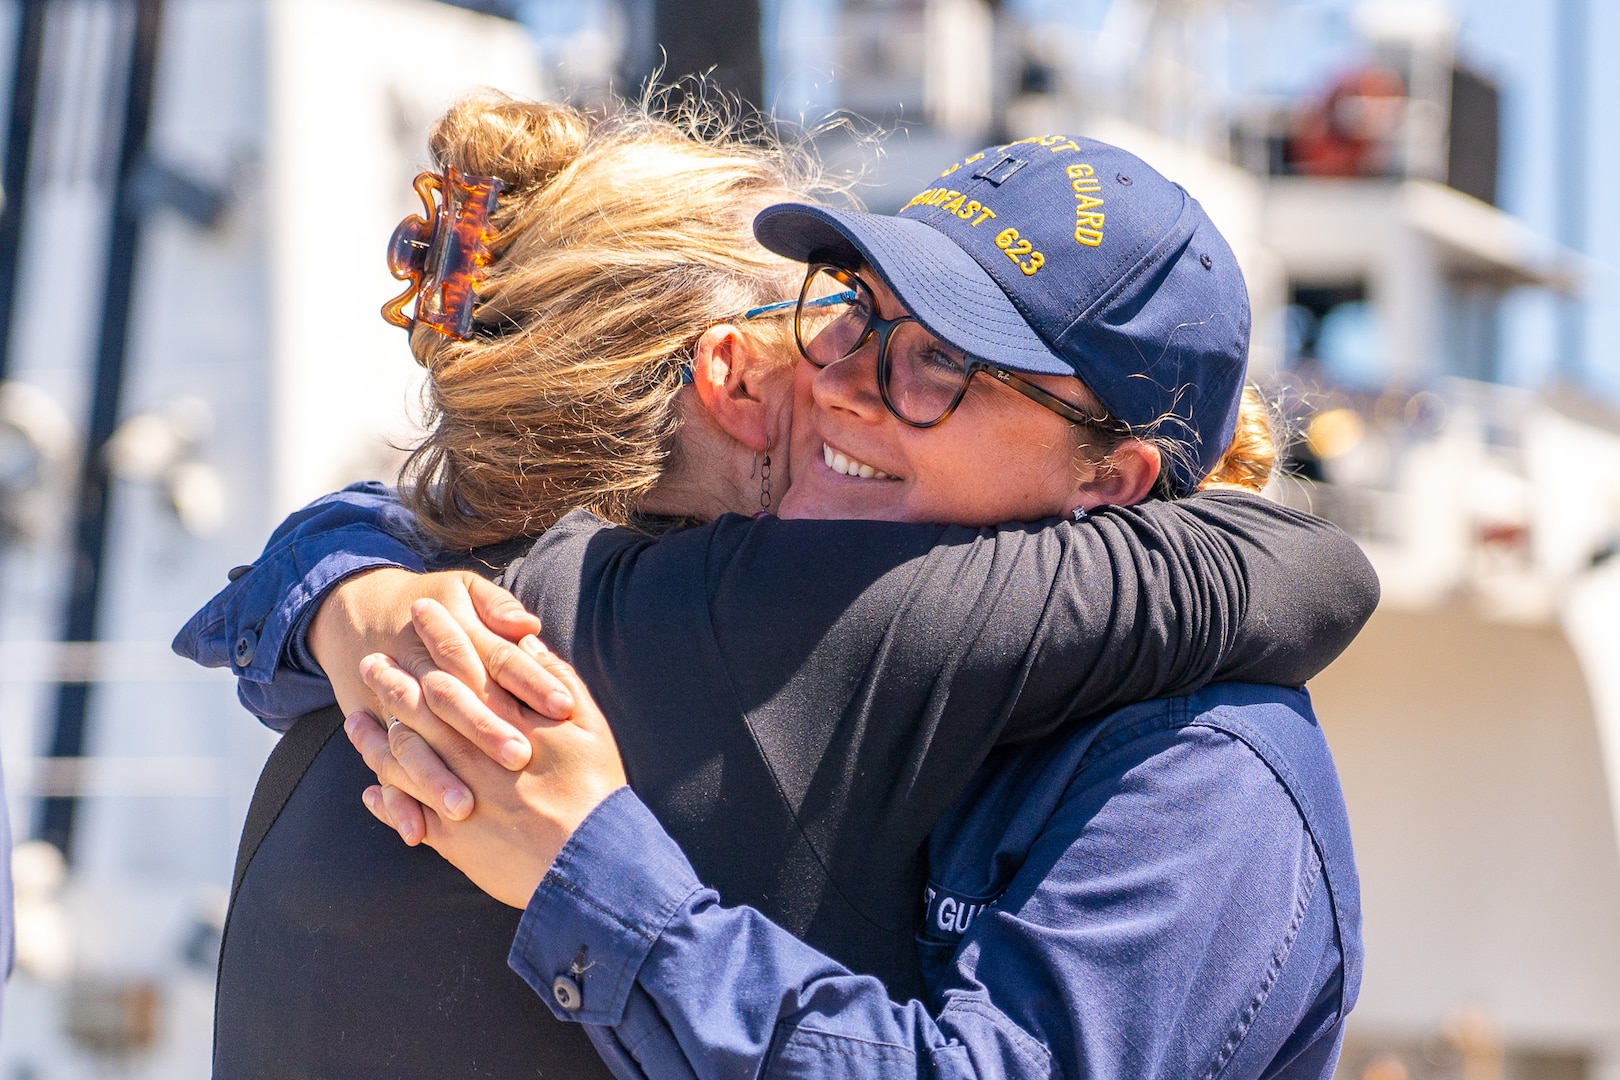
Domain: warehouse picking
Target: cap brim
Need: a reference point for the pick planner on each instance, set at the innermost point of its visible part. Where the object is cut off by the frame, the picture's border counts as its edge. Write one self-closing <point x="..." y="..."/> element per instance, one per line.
<point x="939" y="283"/>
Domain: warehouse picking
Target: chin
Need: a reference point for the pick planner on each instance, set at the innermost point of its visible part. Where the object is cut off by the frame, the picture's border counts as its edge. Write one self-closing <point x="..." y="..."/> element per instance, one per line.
<point x="826" y="507"/>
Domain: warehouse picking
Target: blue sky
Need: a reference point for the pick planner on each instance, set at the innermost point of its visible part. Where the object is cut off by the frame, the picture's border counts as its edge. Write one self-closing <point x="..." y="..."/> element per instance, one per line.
<point x="1514" y="41"/>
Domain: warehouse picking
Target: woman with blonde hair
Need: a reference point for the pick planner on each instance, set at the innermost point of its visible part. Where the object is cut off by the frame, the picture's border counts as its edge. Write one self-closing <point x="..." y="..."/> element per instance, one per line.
<point x="797" y="701"/>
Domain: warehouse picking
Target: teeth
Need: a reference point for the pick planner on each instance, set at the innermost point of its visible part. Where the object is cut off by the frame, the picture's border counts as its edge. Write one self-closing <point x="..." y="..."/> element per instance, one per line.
<point x="838" y="463"/>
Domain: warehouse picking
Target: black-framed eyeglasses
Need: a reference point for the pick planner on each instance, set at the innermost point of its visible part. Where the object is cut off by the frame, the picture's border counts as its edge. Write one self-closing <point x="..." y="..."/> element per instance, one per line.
<point x="920" y="378"/>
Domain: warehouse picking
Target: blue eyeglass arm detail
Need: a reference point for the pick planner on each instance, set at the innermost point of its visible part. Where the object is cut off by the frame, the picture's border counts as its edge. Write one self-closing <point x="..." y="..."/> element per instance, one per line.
<point x="781" y="305"/>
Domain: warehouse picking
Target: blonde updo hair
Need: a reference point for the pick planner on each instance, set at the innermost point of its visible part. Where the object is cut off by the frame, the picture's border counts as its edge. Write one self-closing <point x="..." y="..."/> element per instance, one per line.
<point x="1248" y="464"/>
<point x="619" y="240"/>
<point x="1251" y="457"/>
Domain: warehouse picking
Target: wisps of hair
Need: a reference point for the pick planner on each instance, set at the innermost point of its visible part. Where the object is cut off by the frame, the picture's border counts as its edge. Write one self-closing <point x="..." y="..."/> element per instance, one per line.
<point x="621" y="237"/>
<point x="1250" y="460"/>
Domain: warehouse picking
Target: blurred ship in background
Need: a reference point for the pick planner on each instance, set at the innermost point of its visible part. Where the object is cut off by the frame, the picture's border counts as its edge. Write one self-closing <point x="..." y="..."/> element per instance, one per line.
<point x="1476" y="721"/>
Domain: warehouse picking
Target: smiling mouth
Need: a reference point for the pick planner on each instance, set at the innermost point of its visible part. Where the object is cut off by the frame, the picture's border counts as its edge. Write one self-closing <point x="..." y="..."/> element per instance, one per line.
<point x="847" y="466"/>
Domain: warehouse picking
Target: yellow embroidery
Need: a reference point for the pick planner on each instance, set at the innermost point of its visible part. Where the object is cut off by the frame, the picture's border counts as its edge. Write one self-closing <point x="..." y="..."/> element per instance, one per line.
<point x="1017" y="250"/>
<point x="954" y="204"/>
<point x="1088" y="226"/>
<point x="1054" y="143"/>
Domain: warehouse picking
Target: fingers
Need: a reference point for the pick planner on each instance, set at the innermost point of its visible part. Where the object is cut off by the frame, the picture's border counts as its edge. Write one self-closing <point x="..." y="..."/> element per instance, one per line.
<point x="401" y="756"/>
<point x="518" y="670"/>
<point x="405" y="814"/>
<point x="399" y="812"/>
<point x="452" y="701"/>
<point x="500" y="610"/>
<point x="469" y="651"/>
<point x="477" y="708"/>
<point x="368" y="737"/>
<point x="586" y="714"/>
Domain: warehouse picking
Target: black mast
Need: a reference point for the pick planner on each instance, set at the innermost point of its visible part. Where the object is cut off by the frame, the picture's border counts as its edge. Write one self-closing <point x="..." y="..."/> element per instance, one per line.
<point x="94" y="504"/>
<point x="25" y="68"/>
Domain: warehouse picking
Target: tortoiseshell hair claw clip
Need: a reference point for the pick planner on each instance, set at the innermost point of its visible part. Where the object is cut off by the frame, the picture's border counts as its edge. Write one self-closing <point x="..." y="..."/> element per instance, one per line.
<point x="444" y="254"/>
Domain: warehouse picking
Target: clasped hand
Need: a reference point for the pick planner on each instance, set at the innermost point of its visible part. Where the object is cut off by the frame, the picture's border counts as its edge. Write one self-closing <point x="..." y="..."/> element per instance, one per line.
<point x="498" y="754"/>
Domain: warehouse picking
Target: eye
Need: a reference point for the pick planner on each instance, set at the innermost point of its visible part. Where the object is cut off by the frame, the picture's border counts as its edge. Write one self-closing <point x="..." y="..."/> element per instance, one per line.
<point x="938" y="358"/>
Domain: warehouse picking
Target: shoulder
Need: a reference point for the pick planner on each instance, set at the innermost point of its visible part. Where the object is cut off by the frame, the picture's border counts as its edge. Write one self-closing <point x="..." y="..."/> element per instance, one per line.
<point x="1178" y="870"/>
<point x="1242" y="773"/>
<point x="1219" y="749"/>
<point x="1180" y="760"/>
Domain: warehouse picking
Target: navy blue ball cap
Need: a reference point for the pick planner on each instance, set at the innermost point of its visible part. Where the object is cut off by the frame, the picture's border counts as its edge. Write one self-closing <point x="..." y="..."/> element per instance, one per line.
<point x="1060" y="256"/>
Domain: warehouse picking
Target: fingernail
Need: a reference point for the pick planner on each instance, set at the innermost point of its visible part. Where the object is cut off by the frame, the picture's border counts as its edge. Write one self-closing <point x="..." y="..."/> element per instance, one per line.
<point x="514" y="753"/>
<point x="351" y="724"/>
<point x="457" y="802"/>
<point x="559" y="703"/>
<point x="369" y="797"/>
<point x="532" y="645"/>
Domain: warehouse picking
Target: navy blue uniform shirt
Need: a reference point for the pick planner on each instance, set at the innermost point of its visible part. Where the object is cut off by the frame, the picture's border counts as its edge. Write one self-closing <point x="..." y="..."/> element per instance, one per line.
<point x="1171" y="893"/>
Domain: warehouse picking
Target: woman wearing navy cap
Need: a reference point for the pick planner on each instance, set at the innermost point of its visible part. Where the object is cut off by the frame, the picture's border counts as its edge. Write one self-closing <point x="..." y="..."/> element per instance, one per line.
<point x="1034" y="964"/>
<point x="1170" y="893"/>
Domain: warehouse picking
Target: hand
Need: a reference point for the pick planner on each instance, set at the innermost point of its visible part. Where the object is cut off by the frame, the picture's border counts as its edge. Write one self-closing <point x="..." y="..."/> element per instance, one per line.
<point x="452" y="684"/>
<point x="371" y="613"/>
<point x="522" y="819"/>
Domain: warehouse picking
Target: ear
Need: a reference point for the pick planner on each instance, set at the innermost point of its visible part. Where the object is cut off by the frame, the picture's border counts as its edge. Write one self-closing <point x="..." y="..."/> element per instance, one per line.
<point x="1126" y="478"/>
<point x="727" y="373"/>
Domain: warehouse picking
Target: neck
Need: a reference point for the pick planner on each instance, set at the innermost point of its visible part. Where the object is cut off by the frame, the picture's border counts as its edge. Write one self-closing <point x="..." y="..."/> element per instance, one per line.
<point x="709" y="474"/>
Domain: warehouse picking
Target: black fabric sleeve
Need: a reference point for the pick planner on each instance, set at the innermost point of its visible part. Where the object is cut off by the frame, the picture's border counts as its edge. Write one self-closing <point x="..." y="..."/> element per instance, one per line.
<point x="1048" y="621"/>
<point x="857" y="673"/>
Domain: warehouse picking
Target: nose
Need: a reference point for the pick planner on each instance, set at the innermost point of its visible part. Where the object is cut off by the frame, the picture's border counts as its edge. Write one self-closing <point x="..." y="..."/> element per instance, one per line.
<point x="851" y="385"/>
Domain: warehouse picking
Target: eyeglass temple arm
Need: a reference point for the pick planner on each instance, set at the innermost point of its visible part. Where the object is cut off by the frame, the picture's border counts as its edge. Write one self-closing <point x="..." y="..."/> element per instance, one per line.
<point x="782" y="305"/>
<point x="1063" y="408"/>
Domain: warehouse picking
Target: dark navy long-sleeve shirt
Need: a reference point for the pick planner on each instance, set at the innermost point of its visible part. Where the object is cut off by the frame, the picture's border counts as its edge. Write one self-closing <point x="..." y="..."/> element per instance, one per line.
<point x="1168" y="894"/>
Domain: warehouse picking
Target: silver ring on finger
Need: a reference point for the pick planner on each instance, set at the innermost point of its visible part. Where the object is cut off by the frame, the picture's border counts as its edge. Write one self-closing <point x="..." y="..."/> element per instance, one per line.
<point x="393" y="722"/>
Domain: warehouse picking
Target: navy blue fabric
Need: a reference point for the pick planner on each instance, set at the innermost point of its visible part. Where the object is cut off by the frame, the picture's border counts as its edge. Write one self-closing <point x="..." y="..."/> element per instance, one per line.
<point x="1171" y="893"/>
<point x="1111" y="273"/>
<point x="336" y="536"/>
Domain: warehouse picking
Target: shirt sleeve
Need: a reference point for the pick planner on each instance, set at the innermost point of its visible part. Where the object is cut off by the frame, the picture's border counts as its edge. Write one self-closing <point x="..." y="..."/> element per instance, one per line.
<point x="899" y="655"/>
<point x="1117" y="950"/>
<point x="1026" y="626"/>
<point x="257" y="623"/>
<point x="1164" y="598"/>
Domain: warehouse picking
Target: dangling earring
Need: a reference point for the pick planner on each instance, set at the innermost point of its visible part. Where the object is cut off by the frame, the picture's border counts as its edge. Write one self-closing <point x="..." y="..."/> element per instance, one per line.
<point x="1080" y="513"/>
<point x="765" y="483"/>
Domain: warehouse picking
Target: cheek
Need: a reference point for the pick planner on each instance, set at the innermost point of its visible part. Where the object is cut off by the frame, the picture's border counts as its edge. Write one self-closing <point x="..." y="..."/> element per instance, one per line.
<point x="1023" y="442"/>
<point x="779" y="388"/>
<point x="1006" y="465"/>
<point x="802" y="435"/>
<point x="803" y="401"/>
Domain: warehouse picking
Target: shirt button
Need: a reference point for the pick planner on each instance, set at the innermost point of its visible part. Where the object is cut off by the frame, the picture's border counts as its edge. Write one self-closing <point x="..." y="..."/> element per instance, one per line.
<point x="567" y="993"/>
<point x="245" y="647"/>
